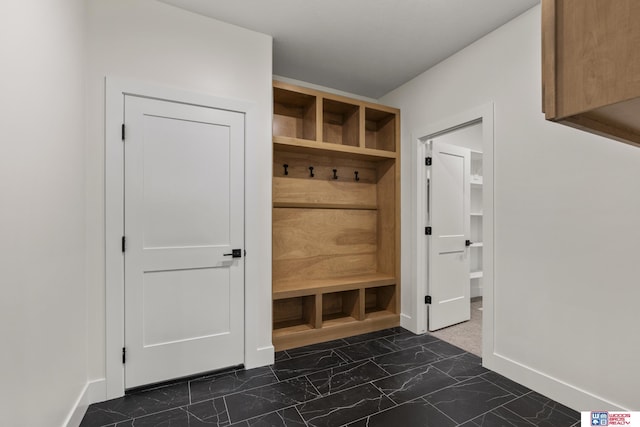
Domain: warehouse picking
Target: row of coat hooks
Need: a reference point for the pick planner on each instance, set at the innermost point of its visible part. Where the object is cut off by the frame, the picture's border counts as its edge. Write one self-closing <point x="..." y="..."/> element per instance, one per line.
<point x="311" y="174"/>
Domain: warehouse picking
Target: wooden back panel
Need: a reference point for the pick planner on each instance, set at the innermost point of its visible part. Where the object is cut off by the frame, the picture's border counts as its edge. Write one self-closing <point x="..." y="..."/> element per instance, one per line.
<point x="323" y="167"/>
<point x="323" y="243"/>
<point x="298" y="187"/>
<point x="296" y="192"/>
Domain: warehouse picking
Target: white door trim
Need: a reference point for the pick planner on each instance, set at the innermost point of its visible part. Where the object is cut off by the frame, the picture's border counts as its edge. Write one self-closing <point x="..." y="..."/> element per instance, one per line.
<point x="115" y="89"/>
<point x="419" y="138"/>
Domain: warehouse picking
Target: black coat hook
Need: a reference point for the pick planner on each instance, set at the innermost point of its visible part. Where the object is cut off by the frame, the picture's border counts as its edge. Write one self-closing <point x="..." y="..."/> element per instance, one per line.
<point x="285" y="166"/>
<point x="356" y="174"/>
<point x="335" y="171"/>
<point x="311" y="171"/>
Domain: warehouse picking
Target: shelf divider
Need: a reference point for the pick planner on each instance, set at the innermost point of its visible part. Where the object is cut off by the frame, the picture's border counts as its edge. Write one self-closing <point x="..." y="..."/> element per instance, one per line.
<point x="324" y="206"/>
<point x="476" y="275"/>
<point x="306" y="146"/>
<point x="295" y="288"/>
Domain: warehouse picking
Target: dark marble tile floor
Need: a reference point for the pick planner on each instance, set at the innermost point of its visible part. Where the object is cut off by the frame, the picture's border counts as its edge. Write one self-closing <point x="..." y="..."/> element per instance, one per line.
<point x="385" y="378"/>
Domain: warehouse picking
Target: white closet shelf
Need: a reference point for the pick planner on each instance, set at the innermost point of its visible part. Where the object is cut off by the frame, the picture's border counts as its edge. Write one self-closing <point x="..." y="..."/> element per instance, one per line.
<point x="476" y="214"/>
<point x="475" y="275"/>
<point x="476" y="181"/>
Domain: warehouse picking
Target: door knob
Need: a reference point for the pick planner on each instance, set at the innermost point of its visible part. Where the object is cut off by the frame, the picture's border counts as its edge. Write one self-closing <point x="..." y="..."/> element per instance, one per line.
<point x="468" y="243"/>
<point x="235" y="253"/>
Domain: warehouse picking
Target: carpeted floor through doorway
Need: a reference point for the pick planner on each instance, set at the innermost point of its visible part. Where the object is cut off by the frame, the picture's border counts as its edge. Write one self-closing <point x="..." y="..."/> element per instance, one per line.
<point x="466" y="335"/>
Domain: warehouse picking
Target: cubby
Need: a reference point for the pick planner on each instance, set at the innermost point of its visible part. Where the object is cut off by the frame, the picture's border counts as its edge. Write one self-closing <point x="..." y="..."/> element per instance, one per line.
<point x="379" y="301"/>
<point x="340" y="122"/>
<point x="380" y="129"/>
<point x="294" y="313"/>
<point x="294" y="114"/>
<point x="336" y="247"/>
<point x="340" y="307"/>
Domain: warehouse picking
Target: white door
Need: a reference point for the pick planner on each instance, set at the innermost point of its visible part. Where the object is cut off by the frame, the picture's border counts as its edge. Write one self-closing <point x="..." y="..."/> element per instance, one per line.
<point x="184" y="215"/>
<point x="449" y="198"/>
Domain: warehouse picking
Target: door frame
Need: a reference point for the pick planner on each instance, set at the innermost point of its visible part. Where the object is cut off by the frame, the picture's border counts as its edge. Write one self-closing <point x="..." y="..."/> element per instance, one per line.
<point x="484" y="115"/>
<point x="115" y="89"/>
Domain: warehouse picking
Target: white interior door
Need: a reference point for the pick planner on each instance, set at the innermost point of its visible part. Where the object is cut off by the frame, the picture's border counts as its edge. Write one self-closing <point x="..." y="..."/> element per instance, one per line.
<point x="184" y="213"/>
<point x="449" y="199"/>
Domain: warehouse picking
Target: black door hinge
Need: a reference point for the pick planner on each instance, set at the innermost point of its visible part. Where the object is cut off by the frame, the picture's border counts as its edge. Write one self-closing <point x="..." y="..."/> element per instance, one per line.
<point x="124" y="355"/>
<point x="427" y="231"/>
<point x="123" y="131"/>
<point x="427" y="160"/>
<point x="427" y="299"/>
<point x="124" y="243"/>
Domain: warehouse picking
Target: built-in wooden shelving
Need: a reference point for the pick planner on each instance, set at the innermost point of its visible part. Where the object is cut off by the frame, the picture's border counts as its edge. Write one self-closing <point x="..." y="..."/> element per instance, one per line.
<point x="335" y="216"/>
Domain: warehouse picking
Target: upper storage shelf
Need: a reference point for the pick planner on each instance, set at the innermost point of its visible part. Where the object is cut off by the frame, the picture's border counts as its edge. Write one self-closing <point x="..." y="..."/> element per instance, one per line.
<point x="380" y="129"/>
<point x="591" y="66"/>
<point x="306" y="120"/>
<point x="340" y="122"/>
<point x="294" y="114"/>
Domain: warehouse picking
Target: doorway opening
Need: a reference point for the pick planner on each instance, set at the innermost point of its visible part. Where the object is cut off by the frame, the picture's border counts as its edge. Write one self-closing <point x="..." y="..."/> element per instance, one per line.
<point x="183" y="217"/>
<point x="454" y="204"/>
<point x="123" y="242"/>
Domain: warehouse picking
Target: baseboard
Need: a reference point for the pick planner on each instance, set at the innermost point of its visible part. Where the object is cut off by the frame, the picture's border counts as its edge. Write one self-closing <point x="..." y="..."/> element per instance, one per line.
<point x="92" y="392"/>
<point x="263" y="356"/>
<point x="408" y="323"/>
<point x="558" y="390"/>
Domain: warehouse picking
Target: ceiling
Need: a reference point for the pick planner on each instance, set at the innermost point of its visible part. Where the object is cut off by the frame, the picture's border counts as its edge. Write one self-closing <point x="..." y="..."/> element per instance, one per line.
<point x="366" y="47"/>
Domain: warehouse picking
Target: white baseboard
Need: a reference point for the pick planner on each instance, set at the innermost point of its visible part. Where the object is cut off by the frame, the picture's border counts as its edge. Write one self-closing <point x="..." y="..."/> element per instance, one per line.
<point x="93" y="391"/>
<point x="558" y="390"/>
<point x="263" y="356"/>
<point x="408" y="323"/>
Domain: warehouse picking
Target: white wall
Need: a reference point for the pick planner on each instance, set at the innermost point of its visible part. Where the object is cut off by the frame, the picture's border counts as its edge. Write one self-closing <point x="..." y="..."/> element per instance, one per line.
<point x="469" y="137"/>
<point x="567" y="207"/>
<point x="323" y="88"/>
<point x="43" y="310"/>
<point x="156" y="43"/>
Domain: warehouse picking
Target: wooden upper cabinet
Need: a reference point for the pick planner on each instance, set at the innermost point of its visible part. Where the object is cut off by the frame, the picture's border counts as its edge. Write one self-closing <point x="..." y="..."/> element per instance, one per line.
<point x="591" y="66"/>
